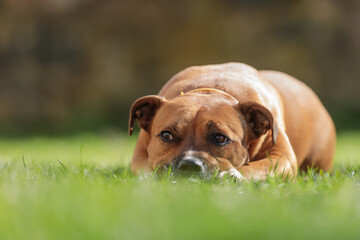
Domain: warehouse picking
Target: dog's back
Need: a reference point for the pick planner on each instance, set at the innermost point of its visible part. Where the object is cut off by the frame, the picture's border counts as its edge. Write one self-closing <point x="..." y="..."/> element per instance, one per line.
<point x="308" y="125"/>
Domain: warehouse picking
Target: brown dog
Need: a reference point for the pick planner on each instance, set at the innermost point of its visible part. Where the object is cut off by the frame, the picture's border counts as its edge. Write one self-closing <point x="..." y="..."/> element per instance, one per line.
<point x="233" y="118"/>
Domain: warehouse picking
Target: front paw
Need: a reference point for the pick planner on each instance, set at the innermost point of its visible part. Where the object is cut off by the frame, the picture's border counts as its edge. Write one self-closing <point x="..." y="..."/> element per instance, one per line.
<point x="233" y="173"/>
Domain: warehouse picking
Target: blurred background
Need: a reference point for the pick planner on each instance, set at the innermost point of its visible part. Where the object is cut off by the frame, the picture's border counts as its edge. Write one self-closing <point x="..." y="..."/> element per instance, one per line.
<point x="77" y="65"/>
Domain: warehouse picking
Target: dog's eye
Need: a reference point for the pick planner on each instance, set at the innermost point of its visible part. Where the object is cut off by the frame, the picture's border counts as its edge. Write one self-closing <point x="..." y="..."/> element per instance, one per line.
<point x="166" y="136"/>
<point x="220" y="139"/>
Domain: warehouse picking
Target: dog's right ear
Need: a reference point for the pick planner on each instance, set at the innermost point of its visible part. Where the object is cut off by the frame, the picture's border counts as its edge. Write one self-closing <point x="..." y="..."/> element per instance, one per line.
<point x="144" y="110"/>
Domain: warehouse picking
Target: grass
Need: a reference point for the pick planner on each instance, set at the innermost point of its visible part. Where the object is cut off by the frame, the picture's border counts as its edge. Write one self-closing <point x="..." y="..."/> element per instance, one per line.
<point x="81" y="188"/>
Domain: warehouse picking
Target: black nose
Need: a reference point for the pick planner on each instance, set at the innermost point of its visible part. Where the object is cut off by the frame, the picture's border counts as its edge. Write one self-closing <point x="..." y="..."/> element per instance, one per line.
<point x="190" y="166"/>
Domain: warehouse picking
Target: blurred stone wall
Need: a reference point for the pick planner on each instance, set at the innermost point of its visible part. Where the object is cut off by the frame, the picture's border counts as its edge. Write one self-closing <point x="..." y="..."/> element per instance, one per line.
<point x="79" y="64"/>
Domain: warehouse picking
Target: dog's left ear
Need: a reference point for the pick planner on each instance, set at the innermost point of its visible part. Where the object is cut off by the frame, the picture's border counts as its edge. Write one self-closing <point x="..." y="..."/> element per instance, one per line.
<point x="259" y="119"/>
<point x="144" y="110"/>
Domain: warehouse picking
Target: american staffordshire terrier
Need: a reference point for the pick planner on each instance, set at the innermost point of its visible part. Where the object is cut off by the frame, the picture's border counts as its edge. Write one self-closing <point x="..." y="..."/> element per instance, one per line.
<point x="234" y="119"/>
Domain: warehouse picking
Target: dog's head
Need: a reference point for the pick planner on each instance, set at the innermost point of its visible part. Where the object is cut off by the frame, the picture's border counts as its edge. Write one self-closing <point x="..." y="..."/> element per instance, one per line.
<point x="200" y="131"/>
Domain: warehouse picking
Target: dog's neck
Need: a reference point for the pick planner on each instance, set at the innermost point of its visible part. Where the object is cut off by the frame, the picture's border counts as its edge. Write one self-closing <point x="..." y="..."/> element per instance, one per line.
<point x="210" y="91"/>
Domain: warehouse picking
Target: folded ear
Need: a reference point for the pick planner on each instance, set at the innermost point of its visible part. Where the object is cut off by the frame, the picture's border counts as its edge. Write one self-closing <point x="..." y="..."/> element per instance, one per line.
<point x="259" y="119"/>
<point x="144" y="110"/>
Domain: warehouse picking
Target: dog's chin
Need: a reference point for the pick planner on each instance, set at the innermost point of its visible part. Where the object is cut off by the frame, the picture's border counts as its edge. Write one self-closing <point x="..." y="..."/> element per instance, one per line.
<point x="204" y="175"/>
<point x="207" y="173"/>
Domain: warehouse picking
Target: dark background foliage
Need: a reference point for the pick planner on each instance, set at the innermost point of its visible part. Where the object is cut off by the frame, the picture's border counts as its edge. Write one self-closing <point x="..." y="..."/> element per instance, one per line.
<point x="75" y="65"/>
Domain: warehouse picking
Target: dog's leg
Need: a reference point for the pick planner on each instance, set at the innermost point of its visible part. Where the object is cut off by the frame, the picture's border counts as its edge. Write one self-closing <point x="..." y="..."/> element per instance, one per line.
<point x="279" y="160"/>
<point x="139" y="161"/>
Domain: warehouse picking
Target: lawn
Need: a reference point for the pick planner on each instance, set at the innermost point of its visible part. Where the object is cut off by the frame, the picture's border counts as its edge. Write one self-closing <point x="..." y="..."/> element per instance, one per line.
<point x="80" y="187"/>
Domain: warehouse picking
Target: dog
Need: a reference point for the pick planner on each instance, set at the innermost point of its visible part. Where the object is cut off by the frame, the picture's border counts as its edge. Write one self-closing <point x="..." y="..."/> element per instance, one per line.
<point x="232" y="119"/>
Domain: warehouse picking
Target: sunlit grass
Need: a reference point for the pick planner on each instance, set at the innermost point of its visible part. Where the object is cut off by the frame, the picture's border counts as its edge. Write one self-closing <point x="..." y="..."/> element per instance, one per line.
<point x="81" y="188"/>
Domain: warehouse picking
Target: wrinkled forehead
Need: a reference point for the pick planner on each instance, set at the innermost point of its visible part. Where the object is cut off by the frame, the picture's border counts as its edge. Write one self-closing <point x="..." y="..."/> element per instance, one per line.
<point x="197" y="109"/>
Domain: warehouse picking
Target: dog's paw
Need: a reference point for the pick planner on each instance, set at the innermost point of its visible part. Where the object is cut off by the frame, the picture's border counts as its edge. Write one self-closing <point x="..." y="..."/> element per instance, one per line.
<point x="233" y="173"/>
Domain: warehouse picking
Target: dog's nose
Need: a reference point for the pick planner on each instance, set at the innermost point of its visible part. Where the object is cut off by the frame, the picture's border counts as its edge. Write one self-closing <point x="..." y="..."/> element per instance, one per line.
<point x="190" y="166"/>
